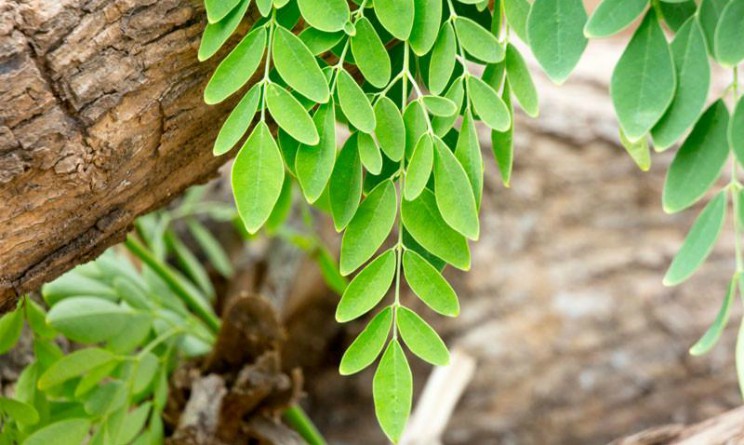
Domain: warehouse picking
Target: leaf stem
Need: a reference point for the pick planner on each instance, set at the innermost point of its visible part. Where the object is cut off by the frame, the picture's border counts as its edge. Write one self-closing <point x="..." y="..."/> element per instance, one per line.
<point x="265" y="81"/>
<point x="735" y="188"/>
<point x="299" y="420"/>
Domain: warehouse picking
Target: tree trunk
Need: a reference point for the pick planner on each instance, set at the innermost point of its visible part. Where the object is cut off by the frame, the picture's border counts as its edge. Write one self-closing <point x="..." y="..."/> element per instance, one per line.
<point x="101" y="120"/>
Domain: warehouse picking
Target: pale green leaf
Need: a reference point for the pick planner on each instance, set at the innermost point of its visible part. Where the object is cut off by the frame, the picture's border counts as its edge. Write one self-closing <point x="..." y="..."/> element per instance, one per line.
<point x="414" y="120"/>
<point x="354" y="103"/>
<point x="644" y="80"/>
<point x="325" y="15"/>
<point x="693" y="80"/>
<point x="369" y="228"/>
<point x="396" y="16"/>
<point x="420" y="338"/>
<point x="699" y="242"/>
<point x="298" y="66"/>
<point x="697" y="165"/>
<point x="319" y="42"/>
<point x="88" y="319"/>
<point x="736" y="131"/>
<point x="487" y="103"/>
<point x="392" y="388"/>
<point x="516" y="12"/>
<point x="426" y="226"/>
<point x="555" y="30"/>
<point x="314" y="165"/>
<point x="613" y="16"/>
<point x="439" y="106"/>
<point x="237" y="68"/>
<point x="709" y="13"/>
<point x="133" y="423"/>
<point x="429" y="285"/>
<point x="711" y="336"/>
<point x="369" y="153"/>
<point x="638" y="151"/>
<point x="368" y="288"/>
<point x="237" y="122"/>
<point x="218" y="9"/>
<point x="20" y="412"/>
<point x="729" y="37"/>
<point x="370" y="54"/>
<point x="453" y="193"/>
<point x="443" y="59"/>
<point x="11" y="326"/>
<point x="390" y="129"/>
<point x="216" y="34"/>
<point x="290" y="115"/>
<point x="426" y="20"/>
<point x="346" y="184"/>
<point x="420" y="167"/>
<point x="63" y="432"/>
<point x="74" y="365"/>
<point x="521" y="81"/>
<point x="257" y="176"/>
<point x="478" y="41"/>
<point x="369" y="344"/>
<point x="211" y="247"/>
<point x="468" y="153"/>
<point x="455" y="93"/>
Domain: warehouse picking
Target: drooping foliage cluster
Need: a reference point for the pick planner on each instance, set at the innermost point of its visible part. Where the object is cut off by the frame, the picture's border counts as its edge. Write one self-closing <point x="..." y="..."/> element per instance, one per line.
<point x="410" y="79"/>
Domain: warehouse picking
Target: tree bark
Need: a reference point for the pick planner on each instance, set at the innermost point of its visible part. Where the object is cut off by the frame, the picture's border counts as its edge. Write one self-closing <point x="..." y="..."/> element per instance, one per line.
<point x="101" y="120"/>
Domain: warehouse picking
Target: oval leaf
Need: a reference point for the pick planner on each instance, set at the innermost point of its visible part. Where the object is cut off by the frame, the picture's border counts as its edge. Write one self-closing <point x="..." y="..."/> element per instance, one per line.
<point x="420" y="338"/>
<point x="426" y="20"/>
<point x="63" y="432"/>
<point x="325" y="15"/>
<point x="237" y="122"/>
<point x="88" y="319"/>
<point x="443" y="59"/>
<point x="368" y="288"/>
<point x="237" y="68"/>
<point x="489" y="106"/>
<point x="314" y="165"/>
<point x="396" y="16"/>
<point x="390" y="129"/>
<point x="370" y="54"/>
<point x="298" y="66"/>
<point x="368" y="345"/>
<point x="613" y="16"/>
<point x="354" y="103"/>
<point x="392" y="388"/>
<point x="290" y="115"/>
<point x="478" y="41"/>
<point x="453" y="193"/>
<point x="346" y="184"/>
<point x="429" y="285"/>
<point x="74" y="365"/>
<point x="419" y="169"/>
<point x="711" y="336"/>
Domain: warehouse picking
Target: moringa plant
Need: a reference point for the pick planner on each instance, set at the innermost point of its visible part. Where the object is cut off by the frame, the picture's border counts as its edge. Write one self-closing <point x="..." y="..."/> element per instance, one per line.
<point x="410" y="79"/>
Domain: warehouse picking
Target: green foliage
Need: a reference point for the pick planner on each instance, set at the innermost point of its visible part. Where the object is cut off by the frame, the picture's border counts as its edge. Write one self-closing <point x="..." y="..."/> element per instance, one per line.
<point x="403" y="81"/>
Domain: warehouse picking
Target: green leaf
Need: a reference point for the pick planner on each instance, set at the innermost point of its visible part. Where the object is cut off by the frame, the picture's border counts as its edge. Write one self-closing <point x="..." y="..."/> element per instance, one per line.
<point x="314" y="165"/>
<point x="21" y="412"/>
<point x="88" y="319"/>
<point x="264" y="7"/>
<point x="676" y="14"/>
<point x="613" y="16"/>
<point x="298" y="66"/>
<point x="325" y="15"/>
<point x="369" y="228"/>
<point x="390" y="129"/>
<point x="420" y="167"/>
<point x="643" y="83"/>
<point x="439" y="106"/>
<point x="468" y="153"/>
<point x="369" y="153"/>
<point x="426" y="20"/>
<point x="133" y="423"/>
<point x="283" y="207"/>
<point x="346" y="184"/>
<point x="211" y="248"/>
<point x="257" y="176"/>
<point x="237" y="68"/>
<point x="63" y="432"/>
<point x="638" y="151"/>
<point x="218" y="9"/>
<point x="190" y="264"/>
<point x="93" y="377"/>
<point x="455" y="93"/>
<point x="521" y="82"/>
<point x="516" y="12"/>
<point x="699" y="242"/>
<point x="502" y="142"/>
<point x="729" y="36"/>
<point x="443" y="59"/>
<point x="414" y="120"/>
<point x="709" y="13"/>
<point x="711" y="336"/>
<point x="487" y="103"/>
<point x="454" y="194"/>
<point x="392" y="388"/>
<point x="396" y="16"/>
<point x="555" y="30"/>
<point x="319" y="42"/>
<point x="237" y="122"/>
<point x="740" y="357"/>
<point x="354" y="103"/>
<point x="697" y="165"/>
<point x="368" y="345"/>
<point x="74" y="365"/>
<point x="11" y="326"/>
<point x="370" y="54"/>
<point x="290" y="115"/>
<point x="736" y="131"/>
<point x="420" y="338"/>
<point x="427" y="227"/>
<point x="74" y="284"/>
<point x="106" y="398"/>
<point x="146" y="369"/>
<point x="478" y="41"/>
<point x="368" y="288"/>
<point x="693" y="80"/>
<point x="216" y="34"/>
<point x="36" y="317"/>
<point x="429" y="285"/>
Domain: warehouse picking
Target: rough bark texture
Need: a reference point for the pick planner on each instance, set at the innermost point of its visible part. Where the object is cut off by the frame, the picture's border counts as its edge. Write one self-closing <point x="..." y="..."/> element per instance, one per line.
<point x="101" y="120"/>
